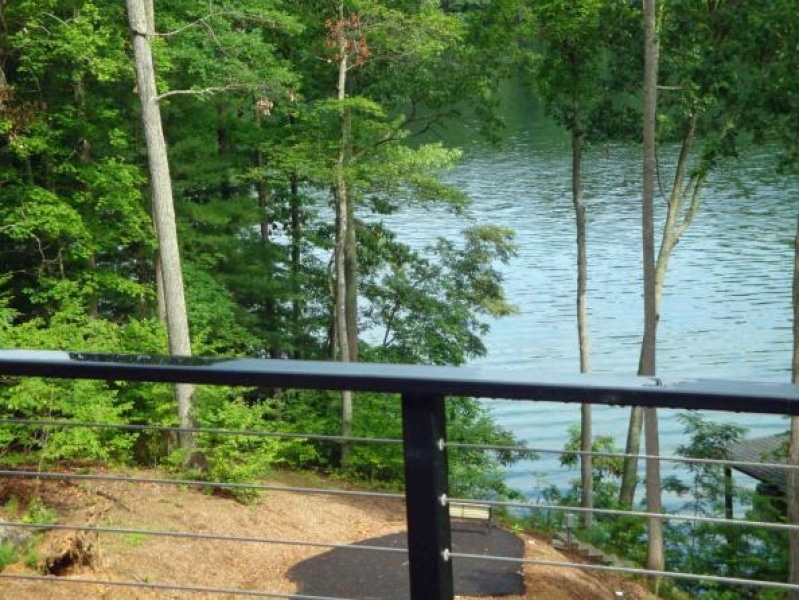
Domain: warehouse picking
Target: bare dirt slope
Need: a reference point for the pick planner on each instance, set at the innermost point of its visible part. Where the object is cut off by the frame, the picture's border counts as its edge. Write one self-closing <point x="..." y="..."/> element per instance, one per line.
<point x="255" y="566"/>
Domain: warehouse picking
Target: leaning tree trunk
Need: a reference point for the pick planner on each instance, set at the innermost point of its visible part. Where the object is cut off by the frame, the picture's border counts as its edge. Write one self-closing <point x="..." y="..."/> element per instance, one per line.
<point x="163" y="211"/>
<point x="678" y="219"/>
<point x="586" y="435"/>
<point x="793" y="446"/>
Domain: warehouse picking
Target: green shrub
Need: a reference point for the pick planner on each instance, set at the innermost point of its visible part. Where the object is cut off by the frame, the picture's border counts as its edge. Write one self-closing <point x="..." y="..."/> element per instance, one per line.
<point x="8" y="554"/>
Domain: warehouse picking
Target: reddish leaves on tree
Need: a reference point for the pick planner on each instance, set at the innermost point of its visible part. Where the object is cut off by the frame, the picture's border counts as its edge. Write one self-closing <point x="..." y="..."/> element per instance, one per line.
<point x="18" y="113"/>
<point x="347" y="37"/>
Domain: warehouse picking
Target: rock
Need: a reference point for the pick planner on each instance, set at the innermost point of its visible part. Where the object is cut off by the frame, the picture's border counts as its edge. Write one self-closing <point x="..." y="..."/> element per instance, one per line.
<point x="17" y="537"/>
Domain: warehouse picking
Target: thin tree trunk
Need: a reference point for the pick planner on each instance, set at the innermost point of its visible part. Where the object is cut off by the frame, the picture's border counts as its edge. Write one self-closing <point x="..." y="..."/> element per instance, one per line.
<point x="629" y="476"/>
<point x="673" y="228"/>
<point x="343" y="235"/>
<point x="586" y="434"/>
<point x="296" y="258"/>
<point x="342" y="326"/>
<point x="163" y="211"/>
<point x="795" y="365"/>
<point x="793" y="444"/>
<point x="647" y="365"/>
<point x="351" y="270"/>
<point x="262" y="193"/>
<point x="260" y="185"/>
<point x="654" y="554"/>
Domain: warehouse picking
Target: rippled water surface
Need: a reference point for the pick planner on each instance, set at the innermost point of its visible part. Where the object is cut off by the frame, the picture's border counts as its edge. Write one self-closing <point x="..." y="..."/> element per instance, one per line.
<point x="726" y="308"/>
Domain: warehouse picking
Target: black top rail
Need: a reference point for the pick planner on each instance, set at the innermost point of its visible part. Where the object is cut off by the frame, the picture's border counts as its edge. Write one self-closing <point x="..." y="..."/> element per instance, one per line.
<point x="613" y="390"/>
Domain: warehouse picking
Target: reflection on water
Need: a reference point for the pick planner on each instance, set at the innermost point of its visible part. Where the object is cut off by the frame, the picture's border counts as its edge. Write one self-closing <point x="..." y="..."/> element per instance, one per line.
<point x="726" y="308"/>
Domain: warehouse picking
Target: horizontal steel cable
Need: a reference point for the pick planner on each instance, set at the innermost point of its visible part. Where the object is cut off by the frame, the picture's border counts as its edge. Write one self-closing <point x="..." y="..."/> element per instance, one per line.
<point x="534" y="562"/>
<point x="397" y="441"/>
<point x="164" y="587"/>
<point x="628" y="513"/>
<point x="199" y="536"/>
<point x="338" y="492"/>
<point x="205" y="430"/>
<point x="196" y="483"/>
<point x="661" y="458"/>
<point x="631" y="571"/>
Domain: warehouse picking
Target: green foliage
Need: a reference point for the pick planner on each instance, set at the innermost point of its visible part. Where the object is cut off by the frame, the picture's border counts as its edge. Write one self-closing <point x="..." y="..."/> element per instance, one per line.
<point x="607" y="470"/>
<point x="474" y="472"/>
<point x="38" y="512"/>
<point x="691" y="547"/>
<point x="56" y="399"/>
<point x="234" y="457"/>
<point x="32" y="559"/>
<point x="253" y="125"/>
<point x="621" y="535"/>
<point x="8" y="554"/>
<point x="708" y="440"/>
<point x="134" y="540"/>
<point x="726" y="550"/>
<point x="428" y="310"/>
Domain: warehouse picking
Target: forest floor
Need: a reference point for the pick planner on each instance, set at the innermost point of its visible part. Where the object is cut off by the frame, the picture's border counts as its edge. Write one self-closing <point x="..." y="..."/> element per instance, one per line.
<point x="151" y="559"/>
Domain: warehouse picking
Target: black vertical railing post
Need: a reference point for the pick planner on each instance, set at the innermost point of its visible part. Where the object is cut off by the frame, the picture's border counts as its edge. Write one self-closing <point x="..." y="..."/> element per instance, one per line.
<point x="429" y="536"/>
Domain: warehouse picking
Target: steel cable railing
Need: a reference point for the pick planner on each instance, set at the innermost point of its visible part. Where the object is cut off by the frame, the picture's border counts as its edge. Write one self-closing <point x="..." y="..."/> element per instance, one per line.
<point x="423" y="391"/>
<point x="185" y="535"/>
<point x="201" y="483"/>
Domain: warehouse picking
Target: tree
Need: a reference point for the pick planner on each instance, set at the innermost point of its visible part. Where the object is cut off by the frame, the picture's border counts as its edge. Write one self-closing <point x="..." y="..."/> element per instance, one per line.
<point x="574" y="52"/>
<point x="363" y="157"/>
<point x="163" y="212"/>
<point x="346" y="37"/>
<point x="75" y="230"/>
<point x="654" y="556"/>
<point x="697" y="547"/>
<point x="776" y="106"/>
<point x="700" y="109"/>
<point x="781" y="101"/>
<point x="793" y="444"/>
<point x="567" y="72"/>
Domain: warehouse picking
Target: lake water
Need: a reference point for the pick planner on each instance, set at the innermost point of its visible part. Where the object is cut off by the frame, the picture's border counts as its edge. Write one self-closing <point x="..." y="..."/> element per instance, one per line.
<point x="727" y="304"/>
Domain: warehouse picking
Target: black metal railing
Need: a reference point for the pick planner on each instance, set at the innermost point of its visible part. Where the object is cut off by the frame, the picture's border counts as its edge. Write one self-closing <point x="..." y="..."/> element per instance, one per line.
<point x="424" y="391"/>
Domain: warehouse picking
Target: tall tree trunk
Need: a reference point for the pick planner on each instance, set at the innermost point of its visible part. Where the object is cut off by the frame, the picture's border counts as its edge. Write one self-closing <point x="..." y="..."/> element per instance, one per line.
<point x="351" y="270"/>
<point x="793" y="444"/>
<point x="586" y="435"/>
<point x="275" y="350"/>
<point x="260" y="184"/>
<point x="346" y="328"/>
<point x="795" y="362"/>
<point x="629" y="475"/>
<point x="342" y="326"/>
<point x="296" y="259"/>
<point x="647" y="365"/>
<point x="163" y="211"/>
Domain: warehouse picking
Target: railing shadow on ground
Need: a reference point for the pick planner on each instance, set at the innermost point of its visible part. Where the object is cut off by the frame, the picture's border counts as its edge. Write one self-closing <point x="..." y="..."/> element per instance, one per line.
<point x="424" y="391"/>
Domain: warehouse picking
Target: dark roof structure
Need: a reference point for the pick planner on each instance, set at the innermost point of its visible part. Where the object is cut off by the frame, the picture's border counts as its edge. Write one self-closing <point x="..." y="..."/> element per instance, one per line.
<point x="768" y="449"/>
